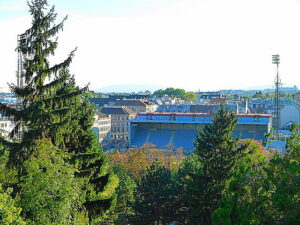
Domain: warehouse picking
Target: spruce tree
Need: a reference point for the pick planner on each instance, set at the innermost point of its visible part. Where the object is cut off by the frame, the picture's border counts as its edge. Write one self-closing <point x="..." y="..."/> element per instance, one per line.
<point x="53" y="107"/>
<point x="218" y="156"/>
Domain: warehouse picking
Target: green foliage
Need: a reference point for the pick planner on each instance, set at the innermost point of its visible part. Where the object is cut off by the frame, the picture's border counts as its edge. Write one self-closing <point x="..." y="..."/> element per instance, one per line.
<point x="8" y="176"/>
<point x="263" y="192"/>
<point x="100" y="186"/>
<point x="218" y="155"/>
<point x="242" y="200"/>
<point x="154" y="197"/>
<point x="125" y="197"/>
<point x="176" y="92"/>
<point x="49" y="192"/>
<point x="9" y="212"/>
<point x="186" y="193"/>
<point x="188" y="96"/>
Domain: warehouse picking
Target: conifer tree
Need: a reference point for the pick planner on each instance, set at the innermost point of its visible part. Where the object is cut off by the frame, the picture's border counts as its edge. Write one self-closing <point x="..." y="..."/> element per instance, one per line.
<point x="53" y="107"/>
<point x="218" y="156"/>
<point x="42" y="111"/>
<point x="154" y="197"/>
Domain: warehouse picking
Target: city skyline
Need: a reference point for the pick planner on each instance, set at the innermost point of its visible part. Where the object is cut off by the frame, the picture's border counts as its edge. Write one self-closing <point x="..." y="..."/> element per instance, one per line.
<point x="206" y="45"/>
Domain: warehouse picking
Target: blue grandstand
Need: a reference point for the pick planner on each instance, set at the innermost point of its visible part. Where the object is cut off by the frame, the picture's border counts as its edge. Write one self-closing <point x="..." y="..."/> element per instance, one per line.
<point x="178" y="130"/>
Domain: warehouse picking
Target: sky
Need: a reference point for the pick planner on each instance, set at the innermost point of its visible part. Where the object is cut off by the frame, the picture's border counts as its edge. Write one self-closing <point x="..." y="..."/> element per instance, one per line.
<point x="191" y="44"/>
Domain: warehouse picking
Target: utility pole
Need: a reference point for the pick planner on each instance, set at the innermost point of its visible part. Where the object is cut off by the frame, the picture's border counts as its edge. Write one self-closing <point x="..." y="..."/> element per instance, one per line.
<point x="276" y="61"/>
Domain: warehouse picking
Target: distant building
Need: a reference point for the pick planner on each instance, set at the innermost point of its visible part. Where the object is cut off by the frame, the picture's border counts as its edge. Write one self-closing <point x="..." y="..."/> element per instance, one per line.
<point x="100" y="102"/>
<point x="112" y="99"/>
<point x="137" y="105"/>
<point x="102" y="127"/>
<point x="218" y="101"/>
<point x="289" y="114"/>
<point x="210" y="95"/>
<point x="120" y="117"/>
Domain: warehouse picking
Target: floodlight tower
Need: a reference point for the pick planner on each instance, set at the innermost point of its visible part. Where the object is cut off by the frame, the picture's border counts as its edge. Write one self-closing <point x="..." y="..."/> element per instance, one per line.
<point x="276" y="60"/>
<point x="20" y="63"/>
<point x="20" y="82"/>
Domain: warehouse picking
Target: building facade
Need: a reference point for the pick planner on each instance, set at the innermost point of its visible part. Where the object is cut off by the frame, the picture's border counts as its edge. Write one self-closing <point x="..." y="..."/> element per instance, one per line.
<point x="102" y="127"/>
<point x="120" y="117"/>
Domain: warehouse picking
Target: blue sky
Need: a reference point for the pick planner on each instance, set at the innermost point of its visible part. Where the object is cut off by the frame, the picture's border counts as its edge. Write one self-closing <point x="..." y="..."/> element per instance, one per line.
<point x="191" y="44"/>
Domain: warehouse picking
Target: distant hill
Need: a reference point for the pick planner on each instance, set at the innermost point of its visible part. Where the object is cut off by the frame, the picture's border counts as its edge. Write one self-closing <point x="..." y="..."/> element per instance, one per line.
<point x="128" y="88"/>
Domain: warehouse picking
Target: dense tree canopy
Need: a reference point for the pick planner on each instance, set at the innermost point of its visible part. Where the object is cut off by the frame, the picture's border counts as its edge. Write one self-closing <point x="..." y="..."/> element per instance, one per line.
<point x="154" y="197"/>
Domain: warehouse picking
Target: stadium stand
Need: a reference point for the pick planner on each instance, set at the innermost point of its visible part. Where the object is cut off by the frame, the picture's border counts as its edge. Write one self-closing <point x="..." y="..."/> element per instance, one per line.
<point x="178" y="130"/>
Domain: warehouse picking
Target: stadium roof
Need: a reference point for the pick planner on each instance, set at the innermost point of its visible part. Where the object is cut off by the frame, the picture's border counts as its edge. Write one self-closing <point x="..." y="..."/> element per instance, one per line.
<point x="189" y="114"/>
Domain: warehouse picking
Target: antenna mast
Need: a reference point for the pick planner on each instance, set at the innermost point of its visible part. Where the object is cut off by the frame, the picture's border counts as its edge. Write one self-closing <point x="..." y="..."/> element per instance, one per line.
<point x="276" y="60"/>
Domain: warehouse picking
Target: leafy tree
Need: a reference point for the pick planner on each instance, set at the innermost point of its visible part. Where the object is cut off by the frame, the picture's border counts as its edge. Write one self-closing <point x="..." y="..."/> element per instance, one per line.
<point x="261" y="192"/>
<point x="9" y="212"/>
<point x="54" y="108"/>
<point x="283" y="181"/>
<point x="125" y="197"/>
<point x="8" y="176"/>
<point x="218" y="156"/>
<point x="173" y="92"/>
<point x="244" y="200"/>
<point x="188" y="96"/>
<point x="137" y="160"/>
<point x="154" y="197"/>
<point x="49" y="192"/>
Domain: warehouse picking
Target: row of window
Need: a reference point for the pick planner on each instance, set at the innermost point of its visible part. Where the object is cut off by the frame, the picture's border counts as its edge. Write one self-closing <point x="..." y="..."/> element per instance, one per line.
<point x="104" y="129"/>
<point x="119" y="129"/>
<point x="104" y="122"/>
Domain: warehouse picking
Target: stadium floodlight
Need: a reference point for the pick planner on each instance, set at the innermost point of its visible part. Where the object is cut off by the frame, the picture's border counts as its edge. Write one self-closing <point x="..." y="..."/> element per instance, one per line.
<point x="275" y="59"/>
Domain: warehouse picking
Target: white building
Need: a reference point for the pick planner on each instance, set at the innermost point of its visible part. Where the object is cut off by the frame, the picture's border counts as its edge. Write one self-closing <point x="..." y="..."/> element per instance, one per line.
<point x="102" y="126"/>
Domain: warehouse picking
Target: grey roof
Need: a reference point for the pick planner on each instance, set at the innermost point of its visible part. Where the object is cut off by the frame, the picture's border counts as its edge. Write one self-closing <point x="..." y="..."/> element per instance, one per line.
<point x="100" y="101"/>
<point x="173" y="108"/>
<point x="201" y="108"/>
<point x="134" y="102"/>
<point x="116" y="110"/>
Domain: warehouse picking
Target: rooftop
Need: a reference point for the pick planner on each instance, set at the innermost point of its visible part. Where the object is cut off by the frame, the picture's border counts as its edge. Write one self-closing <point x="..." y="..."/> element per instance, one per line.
<point x="116" y="110"/>
<point x="133" y="102"/>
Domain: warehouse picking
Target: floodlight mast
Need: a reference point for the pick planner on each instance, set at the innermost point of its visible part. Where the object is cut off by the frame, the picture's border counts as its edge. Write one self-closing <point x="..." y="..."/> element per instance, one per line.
<point x="20" y="80"/>
<point x="276" y="60"/>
